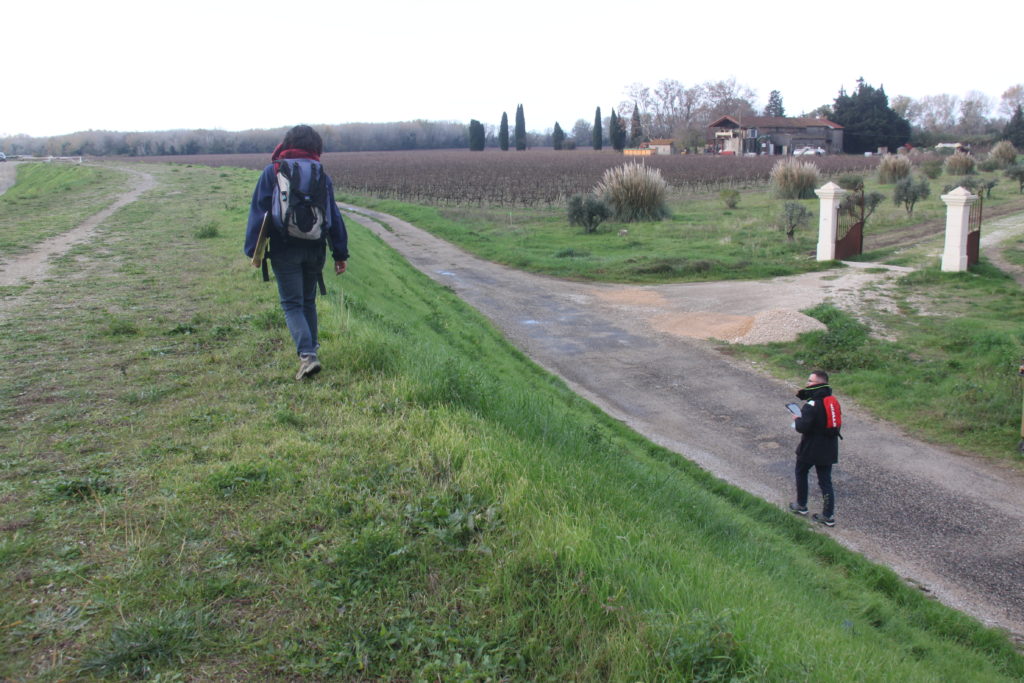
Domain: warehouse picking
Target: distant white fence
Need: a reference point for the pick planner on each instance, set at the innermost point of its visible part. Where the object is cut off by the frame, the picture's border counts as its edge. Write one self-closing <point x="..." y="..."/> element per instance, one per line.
<point x="74" y="160"/>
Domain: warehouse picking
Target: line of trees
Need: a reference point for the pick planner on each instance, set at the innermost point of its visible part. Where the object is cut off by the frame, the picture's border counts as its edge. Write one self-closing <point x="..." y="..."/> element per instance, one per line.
<point x="346" y="137"/>
<point x="667" y="110"/>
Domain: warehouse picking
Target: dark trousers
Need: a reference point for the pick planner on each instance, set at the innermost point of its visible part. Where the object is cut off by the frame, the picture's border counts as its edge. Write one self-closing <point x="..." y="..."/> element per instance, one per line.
<point x="824" y="473"/>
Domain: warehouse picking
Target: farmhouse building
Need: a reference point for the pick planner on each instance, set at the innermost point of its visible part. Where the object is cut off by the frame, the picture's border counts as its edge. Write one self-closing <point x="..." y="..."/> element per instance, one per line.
<point x="774" y="135"/>
<point x="660" y="146"/>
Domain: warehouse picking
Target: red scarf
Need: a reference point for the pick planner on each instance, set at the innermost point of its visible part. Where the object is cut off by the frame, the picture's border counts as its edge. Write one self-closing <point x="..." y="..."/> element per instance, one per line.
<point x="292" y="153"/>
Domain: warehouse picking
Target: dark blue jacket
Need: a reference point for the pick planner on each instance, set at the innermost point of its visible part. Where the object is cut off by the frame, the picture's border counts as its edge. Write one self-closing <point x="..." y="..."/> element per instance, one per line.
<point x="262" y="197"/>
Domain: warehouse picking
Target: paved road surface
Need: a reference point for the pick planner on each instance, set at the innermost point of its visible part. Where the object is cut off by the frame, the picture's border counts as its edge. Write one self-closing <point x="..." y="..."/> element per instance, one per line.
<point x="950" y="523"/>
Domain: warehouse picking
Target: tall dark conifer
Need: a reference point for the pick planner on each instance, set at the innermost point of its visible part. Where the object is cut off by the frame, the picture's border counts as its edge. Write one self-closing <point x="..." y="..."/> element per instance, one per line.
<point x="557" y="137"/>
<point x="617" y="132"/>
<point x="503" y="132"/>
<point x="636" y="131"/>
<point x="868" y="122"/>
<point x="477" y="136"/>
<point x="1014" y="131"/>
<point x="774" y="106"/>
<point x="520" y="129"/>
<point x="596" y="134"/>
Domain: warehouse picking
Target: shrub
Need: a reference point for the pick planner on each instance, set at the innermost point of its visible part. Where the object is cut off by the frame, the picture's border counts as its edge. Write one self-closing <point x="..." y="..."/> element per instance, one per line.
<point x="974" y="185"/>
<point x="909" y="191"/>
<point x="587" y="211"/>
<point x="634" y="192"/>
<point x="989" y="165"/>
<point x="1004" y="154"/>
<point x="893" y="168"/>
<point x="932" y="168"/>
<point x="792" y="179"/>
<point x="959" y="164"/>
<point x="793" y="215"/>
<point x="859" y="204"/>
<point x="731" y="198"/>
<point x="1016" y="172"/>
<point x="851" y="182"/>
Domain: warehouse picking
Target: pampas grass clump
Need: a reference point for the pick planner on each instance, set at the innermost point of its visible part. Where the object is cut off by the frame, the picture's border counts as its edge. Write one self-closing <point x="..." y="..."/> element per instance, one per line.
<point x="892" y="168"/>
<point x="959" y="164"/>
<point x="792" y="179"/>
<point x="634" y="192"/>
<point x="1004" y="153"/>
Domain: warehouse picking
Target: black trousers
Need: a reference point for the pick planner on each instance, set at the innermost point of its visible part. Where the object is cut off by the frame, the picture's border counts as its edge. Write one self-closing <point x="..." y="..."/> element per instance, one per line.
<point x="824" y="473"/>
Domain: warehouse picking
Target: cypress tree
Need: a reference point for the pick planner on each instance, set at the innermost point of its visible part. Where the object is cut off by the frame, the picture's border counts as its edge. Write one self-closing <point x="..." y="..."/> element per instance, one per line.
<point x="557" y="137"/>
<point x="617" y="132"/>
<point x="596" y="135"/>
<point x="476" y="136"/>
<point x="503" y="132"/>
<point x="1014" y="131"/>
<point x="520" y="129"/>
<point x="636" y="132"/>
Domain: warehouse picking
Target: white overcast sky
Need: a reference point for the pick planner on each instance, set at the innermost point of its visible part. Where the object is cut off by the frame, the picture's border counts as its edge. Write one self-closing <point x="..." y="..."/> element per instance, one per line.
<point x="139" y="66"/>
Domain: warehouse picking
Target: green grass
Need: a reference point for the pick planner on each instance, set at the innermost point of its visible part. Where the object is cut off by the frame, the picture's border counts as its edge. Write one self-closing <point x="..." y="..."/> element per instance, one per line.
<point x="50" y="199"/>
<point x="951" y="376"/>
<point x="700" y="240"/>
<point x="431" y="506"/>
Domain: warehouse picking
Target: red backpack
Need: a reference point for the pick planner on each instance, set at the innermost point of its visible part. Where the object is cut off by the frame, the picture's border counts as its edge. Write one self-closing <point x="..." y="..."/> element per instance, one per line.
<point x="833" y="416"/>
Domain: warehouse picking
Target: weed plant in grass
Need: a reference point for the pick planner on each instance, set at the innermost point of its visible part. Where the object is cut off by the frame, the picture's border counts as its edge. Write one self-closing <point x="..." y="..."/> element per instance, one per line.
<point x="432" y="506"/>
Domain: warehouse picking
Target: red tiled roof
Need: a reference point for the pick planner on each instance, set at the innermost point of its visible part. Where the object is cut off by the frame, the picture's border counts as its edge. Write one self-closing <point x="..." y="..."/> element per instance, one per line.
<point x="775" y="122"/>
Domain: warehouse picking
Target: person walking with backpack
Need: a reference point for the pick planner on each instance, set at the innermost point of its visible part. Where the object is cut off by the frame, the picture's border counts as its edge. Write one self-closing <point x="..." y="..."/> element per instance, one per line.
<point x="295" y="197"/>
<point x="818" y="423"/>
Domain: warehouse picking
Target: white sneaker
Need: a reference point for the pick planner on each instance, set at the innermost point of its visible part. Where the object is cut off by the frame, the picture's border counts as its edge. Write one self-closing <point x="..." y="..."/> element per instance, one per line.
<point x="308" y="365"/>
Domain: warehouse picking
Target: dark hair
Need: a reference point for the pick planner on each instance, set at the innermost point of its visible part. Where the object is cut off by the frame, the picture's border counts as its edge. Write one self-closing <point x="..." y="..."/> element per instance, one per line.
<point x="822" y="374"/>
<point x="303" y="137"/>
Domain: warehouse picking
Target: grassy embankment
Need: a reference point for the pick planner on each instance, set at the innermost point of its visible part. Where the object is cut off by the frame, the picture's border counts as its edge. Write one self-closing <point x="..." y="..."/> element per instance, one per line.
<point x="945" y="367"/>
<point x="56" y="197"/>
<point x="431" y="506"/>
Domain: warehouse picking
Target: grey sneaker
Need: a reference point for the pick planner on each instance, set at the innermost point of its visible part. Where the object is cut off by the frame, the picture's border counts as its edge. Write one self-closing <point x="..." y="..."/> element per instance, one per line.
<point x="798" y="509"/>
<point x="308" y="366"/>
<point x="822" y="519"/>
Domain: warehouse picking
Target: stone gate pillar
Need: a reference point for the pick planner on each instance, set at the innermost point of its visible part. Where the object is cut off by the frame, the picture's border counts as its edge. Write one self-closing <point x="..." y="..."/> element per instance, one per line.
<point x="958" y="211"/>
<point x="828" y="219"/>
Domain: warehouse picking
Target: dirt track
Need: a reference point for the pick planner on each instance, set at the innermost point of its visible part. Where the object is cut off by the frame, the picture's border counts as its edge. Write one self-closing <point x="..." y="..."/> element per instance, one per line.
<point x="952" y="524"/>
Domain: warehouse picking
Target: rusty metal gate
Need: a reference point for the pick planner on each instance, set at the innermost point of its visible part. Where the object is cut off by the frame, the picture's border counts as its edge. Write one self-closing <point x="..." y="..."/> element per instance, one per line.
<point x="974" y="233"/>
<point x="849" y="235"/>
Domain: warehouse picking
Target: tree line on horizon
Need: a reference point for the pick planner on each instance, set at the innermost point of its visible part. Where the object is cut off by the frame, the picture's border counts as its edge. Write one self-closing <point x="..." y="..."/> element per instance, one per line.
<point x="668" y="110"/>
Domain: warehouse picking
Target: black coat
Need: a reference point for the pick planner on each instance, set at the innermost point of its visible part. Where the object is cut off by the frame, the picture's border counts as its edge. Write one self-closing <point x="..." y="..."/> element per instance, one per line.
<point x="816" y="446"/>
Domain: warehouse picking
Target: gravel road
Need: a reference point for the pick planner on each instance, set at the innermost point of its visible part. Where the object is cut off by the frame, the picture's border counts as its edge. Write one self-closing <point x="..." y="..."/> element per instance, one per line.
<point x="949" y="523"/>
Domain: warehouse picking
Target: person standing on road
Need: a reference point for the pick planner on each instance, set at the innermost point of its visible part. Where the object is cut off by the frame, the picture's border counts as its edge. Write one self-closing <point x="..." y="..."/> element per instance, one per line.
<point x="298" y="263"/>
<point x="818" y="448"/>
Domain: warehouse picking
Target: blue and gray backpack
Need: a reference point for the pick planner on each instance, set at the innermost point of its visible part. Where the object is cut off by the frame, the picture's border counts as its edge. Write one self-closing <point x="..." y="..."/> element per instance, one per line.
<point x="300" y="207"/>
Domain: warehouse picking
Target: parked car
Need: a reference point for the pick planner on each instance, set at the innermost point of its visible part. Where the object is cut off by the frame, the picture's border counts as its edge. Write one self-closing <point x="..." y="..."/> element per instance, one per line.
<point x="3" y="157"/>
<point x="808" y="151"/>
